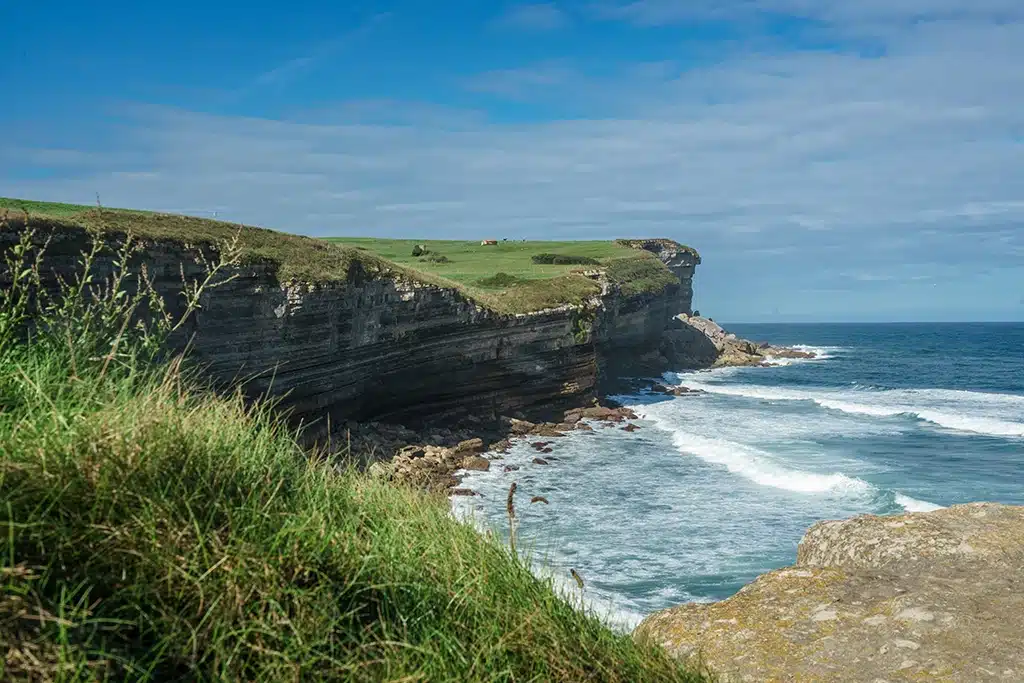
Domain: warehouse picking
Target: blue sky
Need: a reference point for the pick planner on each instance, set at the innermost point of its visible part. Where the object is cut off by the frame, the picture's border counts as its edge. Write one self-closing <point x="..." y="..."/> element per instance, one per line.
<point x="831" y="159"/>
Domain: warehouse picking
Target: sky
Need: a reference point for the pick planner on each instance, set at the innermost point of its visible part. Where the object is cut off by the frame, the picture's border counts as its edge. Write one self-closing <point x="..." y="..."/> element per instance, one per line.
<point x="832" y="160"/>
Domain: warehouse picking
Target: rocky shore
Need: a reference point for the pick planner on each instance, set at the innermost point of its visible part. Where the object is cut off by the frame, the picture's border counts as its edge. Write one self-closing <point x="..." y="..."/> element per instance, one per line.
<point x="432" y="466"/>
<point x="428" y="457"/>
<point x="935" y="596"/>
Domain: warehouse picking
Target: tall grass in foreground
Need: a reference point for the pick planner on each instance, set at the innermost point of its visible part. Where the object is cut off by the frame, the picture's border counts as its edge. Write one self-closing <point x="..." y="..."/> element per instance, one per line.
<point x="152" y="531"/>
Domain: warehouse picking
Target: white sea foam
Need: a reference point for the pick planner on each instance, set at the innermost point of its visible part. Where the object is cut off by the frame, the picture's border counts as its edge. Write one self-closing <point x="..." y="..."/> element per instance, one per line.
<point x="608" y="608"/>
<point x="821" y="352"/>
<point x="1000" y="415"/>
<point x="976" y="424"/>
<point x="760" y="466"/>
<point x="914" y="505"/>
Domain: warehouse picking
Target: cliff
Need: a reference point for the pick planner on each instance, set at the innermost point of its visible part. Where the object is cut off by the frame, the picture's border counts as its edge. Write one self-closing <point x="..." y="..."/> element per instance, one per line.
<point x="360" y="339"/>
<point x="934" y="596"/>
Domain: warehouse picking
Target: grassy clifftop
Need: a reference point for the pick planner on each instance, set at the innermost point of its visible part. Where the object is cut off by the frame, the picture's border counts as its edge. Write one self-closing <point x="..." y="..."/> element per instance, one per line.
<point x="508" y="277"/>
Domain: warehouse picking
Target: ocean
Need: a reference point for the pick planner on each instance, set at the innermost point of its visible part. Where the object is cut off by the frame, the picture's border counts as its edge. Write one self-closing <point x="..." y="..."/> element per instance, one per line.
<point x="717" y="488"/>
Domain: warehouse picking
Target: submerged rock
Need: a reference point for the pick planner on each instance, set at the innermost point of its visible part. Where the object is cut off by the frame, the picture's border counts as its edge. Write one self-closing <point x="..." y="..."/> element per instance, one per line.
<point x="686" y="391"/>
<point x="785" y="352"/>
<point x="932" y="596"/>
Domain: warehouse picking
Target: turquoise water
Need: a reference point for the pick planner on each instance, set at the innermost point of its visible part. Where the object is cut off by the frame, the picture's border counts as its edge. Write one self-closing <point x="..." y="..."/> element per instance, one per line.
<point x="718" y="488"/>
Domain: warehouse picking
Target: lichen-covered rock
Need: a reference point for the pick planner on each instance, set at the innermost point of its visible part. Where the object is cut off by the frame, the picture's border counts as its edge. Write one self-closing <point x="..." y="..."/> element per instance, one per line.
<point x="978" y="537"/>
<point x="935" y="596"/>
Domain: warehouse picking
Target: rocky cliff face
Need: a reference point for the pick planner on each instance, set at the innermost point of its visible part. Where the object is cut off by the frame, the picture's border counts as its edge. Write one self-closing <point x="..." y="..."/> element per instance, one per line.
<point x="934" y="596"/>
<point x="381" y="347"/>
<point x="682" y="261"/>
<point x="630" y="331"/>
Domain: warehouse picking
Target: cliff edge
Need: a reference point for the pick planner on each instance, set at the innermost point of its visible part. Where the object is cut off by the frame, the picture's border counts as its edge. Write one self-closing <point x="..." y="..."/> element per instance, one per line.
<point x="934" y="596"/>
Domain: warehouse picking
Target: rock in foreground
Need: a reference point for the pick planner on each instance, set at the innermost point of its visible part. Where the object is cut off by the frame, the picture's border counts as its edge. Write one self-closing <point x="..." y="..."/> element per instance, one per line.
<point x="936" y="596"/>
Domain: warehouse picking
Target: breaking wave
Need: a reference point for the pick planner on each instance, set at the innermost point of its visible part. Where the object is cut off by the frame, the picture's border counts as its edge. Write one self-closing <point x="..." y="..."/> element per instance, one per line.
<point x="761" y="468"/>
<point x="1000" y="415"/>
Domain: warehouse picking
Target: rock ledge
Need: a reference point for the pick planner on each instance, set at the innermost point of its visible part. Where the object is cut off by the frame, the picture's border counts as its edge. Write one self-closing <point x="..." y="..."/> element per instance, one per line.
<point x="936" y="596"/>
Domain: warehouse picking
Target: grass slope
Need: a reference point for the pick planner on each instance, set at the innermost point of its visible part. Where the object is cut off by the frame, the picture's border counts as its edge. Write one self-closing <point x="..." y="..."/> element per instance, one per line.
<point x="295" y="257"/>
<point x="155" y="532"/>
<point x="470" y="267"/>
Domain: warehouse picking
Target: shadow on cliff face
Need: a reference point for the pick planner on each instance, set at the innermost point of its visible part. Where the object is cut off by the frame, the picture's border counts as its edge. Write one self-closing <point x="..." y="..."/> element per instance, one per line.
<point x="687" y="348"/>
<point x="682" y="347"/>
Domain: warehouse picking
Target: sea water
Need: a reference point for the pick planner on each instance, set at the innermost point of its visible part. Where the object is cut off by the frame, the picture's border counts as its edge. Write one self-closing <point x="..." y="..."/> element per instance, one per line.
<point x="717" y="488"/>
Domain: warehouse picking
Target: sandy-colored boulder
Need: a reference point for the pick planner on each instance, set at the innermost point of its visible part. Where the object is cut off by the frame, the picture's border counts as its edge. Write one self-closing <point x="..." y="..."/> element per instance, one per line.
<point x="475" y="462"/>
<point x="935" y="596"/>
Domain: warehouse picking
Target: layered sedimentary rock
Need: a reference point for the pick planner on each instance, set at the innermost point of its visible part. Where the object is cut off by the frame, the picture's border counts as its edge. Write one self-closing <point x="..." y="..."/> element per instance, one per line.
<point x="629" y="331"/>
<point x="935" y="596"/>
<point x="382" y="346"/>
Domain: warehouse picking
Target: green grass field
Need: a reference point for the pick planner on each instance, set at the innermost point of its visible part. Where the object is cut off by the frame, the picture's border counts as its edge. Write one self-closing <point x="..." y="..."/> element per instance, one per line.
<point x="471" y="262"/>
<point x="530" y="286"/>
<point x="153" y="531"/>
<point x="468" y="266"/>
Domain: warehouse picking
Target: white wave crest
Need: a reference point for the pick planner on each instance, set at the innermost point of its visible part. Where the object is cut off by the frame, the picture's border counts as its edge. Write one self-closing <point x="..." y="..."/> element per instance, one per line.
<point x="821" y="352"/>
<point x="1000" y="415"/>
<point x="914" y="505"/>
<point x="975" y="424"/>
<point x="759" y="467"/>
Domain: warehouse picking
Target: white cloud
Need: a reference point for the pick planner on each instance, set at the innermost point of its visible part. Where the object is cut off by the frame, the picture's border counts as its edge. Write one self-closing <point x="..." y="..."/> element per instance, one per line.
<point x="522" y="82"/>
<point x="849" y="13"/>
<point x="545" y="16"/>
